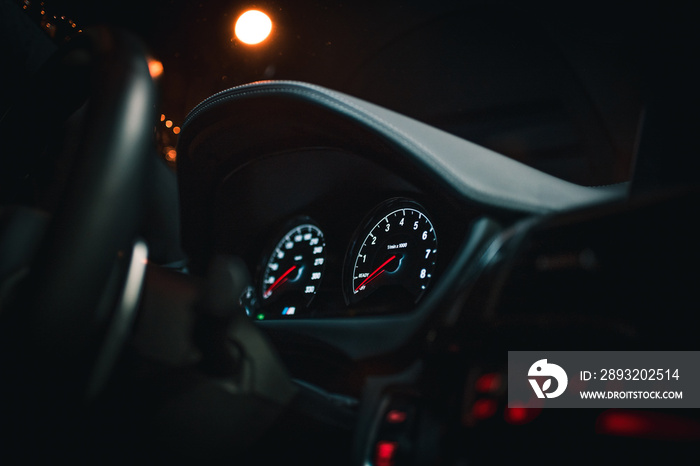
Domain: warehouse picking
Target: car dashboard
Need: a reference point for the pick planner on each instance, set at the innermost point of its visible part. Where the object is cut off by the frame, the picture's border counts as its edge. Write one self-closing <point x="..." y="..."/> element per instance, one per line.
<point x="265" y="164"/>
<point x="267" y="167"/>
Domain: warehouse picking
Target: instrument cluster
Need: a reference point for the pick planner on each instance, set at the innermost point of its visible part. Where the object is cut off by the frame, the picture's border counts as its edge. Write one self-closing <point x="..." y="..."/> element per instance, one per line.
<point x="388" y="266"/>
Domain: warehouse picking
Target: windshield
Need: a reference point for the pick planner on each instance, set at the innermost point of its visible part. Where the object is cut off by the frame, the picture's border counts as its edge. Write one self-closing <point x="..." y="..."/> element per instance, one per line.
<point x="558" y="91"/>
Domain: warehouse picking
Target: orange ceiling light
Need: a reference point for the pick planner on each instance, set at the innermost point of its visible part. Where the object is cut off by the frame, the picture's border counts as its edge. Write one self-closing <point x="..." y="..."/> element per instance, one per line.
<point x="253" y="27"/>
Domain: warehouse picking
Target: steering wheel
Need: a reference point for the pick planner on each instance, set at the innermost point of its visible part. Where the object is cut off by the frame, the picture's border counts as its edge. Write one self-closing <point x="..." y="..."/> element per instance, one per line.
<point x="70" y="307"/>
<point x="68" y="314"/>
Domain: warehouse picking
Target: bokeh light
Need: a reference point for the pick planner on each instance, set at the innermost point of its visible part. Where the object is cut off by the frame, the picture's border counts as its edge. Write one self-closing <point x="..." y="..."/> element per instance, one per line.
<point x="155" y="67"/>
<point x="253" y="27"/>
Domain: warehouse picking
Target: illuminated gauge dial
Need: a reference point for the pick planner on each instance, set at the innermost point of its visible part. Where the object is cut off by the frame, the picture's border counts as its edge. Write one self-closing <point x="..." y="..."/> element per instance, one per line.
<point x="393" y="253"/>
<point x="292" y="272"/>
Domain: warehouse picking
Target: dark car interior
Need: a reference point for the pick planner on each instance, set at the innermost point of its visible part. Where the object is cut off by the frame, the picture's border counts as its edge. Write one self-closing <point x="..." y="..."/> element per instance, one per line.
<point x="321" y="249"/>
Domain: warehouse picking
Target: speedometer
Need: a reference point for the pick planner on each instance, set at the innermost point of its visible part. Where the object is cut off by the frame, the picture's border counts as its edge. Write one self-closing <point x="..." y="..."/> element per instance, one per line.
<point x="292" y="272"/>
<point x="393" y="254"/>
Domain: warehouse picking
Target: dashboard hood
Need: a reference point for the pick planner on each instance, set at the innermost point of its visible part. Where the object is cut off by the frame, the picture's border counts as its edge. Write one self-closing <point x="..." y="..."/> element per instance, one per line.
<point x="225" y="129"/>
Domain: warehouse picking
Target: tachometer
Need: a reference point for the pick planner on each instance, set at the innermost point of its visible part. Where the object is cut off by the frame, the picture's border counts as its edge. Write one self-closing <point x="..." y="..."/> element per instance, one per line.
<point x="394" y="252"/>
<point x="292" y="272"/>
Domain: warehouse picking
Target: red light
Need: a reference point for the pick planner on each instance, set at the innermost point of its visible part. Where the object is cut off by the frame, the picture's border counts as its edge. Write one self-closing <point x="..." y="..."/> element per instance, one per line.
<point x="488" y="383"/>
<point x="515" y="415"/>
<point x="385" y="453"/>
<point x="620" y="423"/>
<point x="519" y="414"/>
<point x="396" y="416"/>
<point x="484" y="408"/>
<point x="649" y="425"/>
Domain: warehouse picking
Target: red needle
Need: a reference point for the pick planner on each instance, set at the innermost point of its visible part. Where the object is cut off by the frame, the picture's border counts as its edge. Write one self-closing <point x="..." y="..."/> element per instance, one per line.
<point x="374" y="274"/>
<point x="369" y="279"/>
<point x="278" y="282"/>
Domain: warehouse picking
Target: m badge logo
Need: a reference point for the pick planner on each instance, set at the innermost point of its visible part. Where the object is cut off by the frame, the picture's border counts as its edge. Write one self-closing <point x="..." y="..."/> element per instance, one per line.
<point x="543" y="369"/>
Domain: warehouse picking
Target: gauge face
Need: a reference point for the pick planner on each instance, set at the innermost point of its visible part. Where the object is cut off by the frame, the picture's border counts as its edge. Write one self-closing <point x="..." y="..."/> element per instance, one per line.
<point x="293" y="270"/>
<point x="394" y="252"/>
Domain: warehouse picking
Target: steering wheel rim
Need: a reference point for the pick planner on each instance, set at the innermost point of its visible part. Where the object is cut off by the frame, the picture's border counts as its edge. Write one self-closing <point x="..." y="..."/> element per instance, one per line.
<point x="50" y="326"/>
